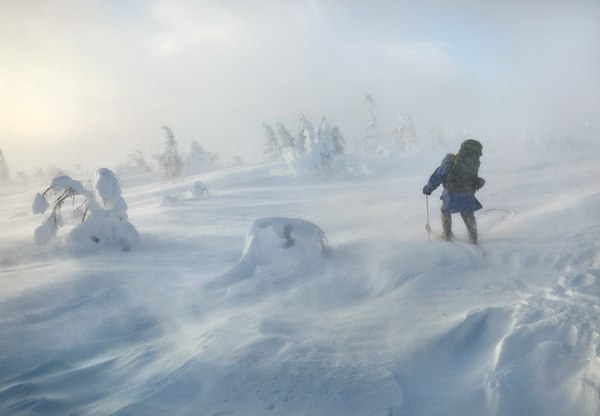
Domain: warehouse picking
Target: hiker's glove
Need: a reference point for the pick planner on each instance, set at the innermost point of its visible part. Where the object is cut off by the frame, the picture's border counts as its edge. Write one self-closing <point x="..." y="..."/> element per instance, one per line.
<point x="426" y="190"/>
<point x="480" y="183"/>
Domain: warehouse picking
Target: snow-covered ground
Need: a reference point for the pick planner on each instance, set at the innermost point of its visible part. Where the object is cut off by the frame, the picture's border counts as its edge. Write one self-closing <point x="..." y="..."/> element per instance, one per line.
<point x="216" y="313"/>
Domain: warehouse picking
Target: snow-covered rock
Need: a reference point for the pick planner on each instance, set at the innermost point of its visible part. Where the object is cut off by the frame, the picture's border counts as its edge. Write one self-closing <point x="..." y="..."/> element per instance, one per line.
<point x="278" y="247"/>
<point x="197" y="190"/>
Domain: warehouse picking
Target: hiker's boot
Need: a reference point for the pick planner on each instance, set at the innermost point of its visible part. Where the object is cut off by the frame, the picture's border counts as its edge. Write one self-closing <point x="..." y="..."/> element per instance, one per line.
<point x="446" y="226"/>
<point x="471" y="223"/>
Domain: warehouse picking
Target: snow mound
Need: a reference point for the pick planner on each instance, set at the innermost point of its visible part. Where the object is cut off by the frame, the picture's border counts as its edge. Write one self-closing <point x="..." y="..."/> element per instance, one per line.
<point x="278" y="247"/>
<point x="197" y="190"/>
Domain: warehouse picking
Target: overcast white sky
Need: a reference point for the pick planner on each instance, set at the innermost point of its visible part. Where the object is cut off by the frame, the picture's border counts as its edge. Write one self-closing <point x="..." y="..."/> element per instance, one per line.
<point x="94" y="80"/>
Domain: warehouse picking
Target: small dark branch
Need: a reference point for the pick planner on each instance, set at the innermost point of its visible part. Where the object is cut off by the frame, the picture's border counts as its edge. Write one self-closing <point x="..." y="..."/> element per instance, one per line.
<point x="79" y="207"/>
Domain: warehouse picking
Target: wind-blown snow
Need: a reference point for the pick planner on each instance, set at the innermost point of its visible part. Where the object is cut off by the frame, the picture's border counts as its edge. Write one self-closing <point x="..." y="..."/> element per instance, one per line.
<point x="291" y="296"/>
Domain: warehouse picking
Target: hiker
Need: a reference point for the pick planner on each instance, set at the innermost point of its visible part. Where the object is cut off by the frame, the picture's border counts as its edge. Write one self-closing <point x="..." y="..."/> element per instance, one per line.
<point x="459" y="176"/>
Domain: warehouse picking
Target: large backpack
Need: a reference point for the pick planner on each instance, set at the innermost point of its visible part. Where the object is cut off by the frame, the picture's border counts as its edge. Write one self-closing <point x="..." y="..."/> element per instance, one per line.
<point x="463" y="176"/>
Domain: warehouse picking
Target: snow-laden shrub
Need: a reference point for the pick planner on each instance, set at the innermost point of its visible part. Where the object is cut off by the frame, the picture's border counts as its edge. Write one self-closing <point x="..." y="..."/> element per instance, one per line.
<point x="198" y="160"/>
<point x="104" y="221"/>
<point x="197" y="190"/>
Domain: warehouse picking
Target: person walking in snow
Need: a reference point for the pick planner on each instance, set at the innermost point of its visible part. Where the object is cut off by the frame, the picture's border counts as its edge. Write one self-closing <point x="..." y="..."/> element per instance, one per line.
<point x="459" y="175"/>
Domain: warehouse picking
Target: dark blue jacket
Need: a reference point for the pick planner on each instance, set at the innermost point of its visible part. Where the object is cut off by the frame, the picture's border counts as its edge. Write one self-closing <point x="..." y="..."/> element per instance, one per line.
<point x="452" y="201"/>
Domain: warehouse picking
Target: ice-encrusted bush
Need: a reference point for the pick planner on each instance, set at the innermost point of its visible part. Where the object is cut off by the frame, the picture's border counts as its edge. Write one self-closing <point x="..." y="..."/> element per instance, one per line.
<point x="104" y="221"/>
<point x="197" y="190"/>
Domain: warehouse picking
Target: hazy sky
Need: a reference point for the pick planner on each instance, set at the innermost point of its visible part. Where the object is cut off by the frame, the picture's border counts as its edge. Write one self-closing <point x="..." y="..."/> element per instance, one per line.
<point x="95" y="80"/>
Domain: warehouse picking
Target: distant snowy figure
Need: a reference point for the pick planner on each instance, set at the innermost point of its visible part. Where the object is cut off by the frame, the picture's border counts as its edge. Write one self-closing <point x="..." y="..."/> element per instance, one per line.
<point x="104" y="222"/>
<point x="459" y="175"/>
<point x="197" y="190"/>
<point x="278" y="246"/>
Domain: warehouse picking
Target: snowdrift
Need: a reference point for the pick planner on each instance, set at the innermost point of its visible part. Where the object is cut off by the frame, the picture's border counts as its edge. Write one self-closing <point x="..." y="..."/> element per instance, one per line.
<point x="378" y="321"/>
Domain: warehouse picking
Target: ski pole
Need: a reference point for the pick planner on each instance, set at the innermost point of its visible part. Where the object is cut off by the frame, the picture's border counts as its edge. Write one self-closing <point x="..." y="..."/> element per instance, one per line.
<point x="427" y="227"/>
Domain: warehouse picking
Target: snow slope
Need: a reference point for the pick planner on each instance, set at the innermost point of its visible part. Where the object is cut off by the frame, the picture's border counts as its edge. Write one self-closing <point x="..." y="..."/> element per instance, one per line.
<point x="196" y="320"/>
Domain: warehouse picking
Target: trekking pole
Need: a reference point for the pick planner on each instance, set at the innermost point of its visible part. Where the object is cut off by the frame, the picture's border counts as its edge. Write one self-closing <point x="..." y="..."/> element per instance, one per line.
<point x="427" y="227"/>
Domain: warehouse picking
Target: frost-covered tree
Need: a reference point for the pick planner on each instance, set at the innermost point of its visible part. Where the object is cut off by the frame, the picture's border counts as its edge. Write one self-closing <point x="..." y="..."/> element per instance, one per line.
<point x="288" y="148"/>
<point x="307" y="132"/>
<point x="372" y="143"/>
<point x="273" y="151"/>
<point x="300" y="147"/>
<point x="404" y="134"/>
<point x="4" y="172"/>
<point x="319" y="156"/>
<point x="170" y="161"/>
<point x="338" y="140"/>
<point x="198" y="160"/>
<point x="325" y="143"/>
<point x="135" y="165"/>
<point x="104" y="221"/>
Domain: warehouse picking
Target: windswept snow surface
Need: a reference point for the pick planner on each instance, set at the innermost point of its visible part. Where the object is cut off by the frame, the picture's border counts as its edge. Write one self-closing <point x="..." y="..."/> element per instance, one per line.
<point x="375" y="321"/>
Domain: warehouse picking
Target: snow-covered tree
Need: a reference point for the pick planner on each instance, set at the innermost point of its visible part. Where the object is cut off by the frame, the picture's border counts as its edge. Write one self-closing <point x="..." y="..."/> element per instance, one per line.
<point x="288" y="148"/>
<point x="300" y="147"/>
<point x="338" y="140"/>
<point x="198" y="160"/>
<point x="273" y="151"/>
<point x="372" y="143"/>
<point x="170" y="161"/>
<point x="104" y="221"/>
<point x="4" y="172"/>
<point x="319" y="156"/>
<point x="307" y="131"/>
<point x="135" y="165"/>
<point x="404" y="134"/>
<point x="325" y="143"/>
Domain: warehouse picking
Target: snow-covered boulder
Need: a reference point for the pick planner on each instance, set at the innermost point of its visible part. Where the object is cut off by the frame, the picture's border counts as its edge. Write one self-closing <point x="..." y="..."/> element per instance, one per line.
<point x="197" y="190"/>
<point x="278" y="247"/>
<point x="104" y="222"/>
